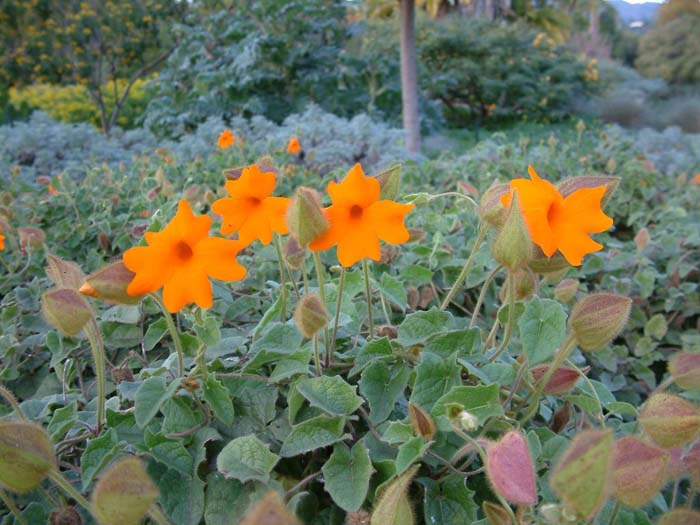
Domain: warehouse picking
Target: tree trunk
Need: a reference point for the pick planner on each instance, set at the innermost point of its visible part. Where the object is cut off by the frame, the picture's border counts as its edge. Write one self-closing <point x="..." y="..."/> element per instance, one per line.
<point x="409" y="77"/>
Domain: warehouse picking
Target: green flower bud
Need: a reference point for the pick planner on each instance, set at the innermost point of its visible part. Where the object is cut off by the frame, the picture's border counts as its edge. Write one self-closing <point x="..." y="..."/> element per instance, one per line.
<point x="389" y="182"/>
<point x="685" y="370"/>
<point x="109" y="283"/>
<point x="513" y="247"/>
<point x="124" y="494"/>
<point x="566" y="290"/>
<point x="26" y="455"/>
<point x="490" y="208"/>
<point x="310" y="315"/>
<point x="670" y="420"/>
<point x="598" y="318"/>
<point x="66" y="310"/>
<point x="305" y="217"/>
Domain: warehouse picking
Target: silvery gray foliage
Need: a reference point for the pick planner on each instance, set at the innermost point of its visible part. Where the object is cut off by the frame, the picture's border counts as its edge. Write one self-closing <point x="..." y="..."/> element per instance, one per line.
<point x="42" y="146"/>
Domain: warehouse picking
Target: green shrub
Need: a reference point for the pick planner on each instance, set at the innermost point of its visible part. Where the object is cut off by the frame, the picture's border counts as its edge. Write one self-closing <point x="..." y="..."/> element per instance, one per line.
<point x="485" y="72"/>
<point x="672" y="50"/>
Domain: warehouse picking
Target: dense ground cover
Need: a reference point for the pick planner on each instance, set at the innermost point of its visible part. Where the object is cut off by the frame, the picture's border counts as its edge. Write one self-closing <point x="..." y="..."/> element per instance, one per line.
<point x="377" y="420"/>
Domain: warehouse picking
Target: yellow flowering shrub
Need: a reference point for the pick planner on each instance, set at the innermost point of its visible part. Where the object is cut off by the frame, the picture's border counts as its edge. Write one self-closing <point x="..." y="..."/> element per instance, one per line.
<point x="72" y="103"/>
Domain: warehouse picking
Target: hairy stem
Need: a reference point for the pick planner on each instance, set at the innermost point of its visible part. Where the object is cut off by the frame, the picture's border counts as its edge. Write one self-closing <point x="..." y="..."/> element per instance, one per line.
<point x="510" y="292"/>
<point x="321" y="292"/>
<point x="98" y="356"/>
<point x="283" y="278"/>
<point x="467" y="267"/>
<point x="65" y="485"/>
<point x="172" y="329"/>
<point x="482" y="294"/>
<point x="368" y="293"/>
<point x="338" y="302"/>
<point x="7" y="500"/>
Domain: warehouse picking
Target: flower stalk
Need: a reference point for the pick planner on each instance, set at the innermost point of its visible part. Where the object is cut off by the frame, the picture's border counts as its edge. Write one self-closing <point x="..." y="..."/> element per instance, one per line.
<point x="283" y="280"/>
<point x="368" y="293"/>
<point x="98" y="356"/>
<point x="467" y="267"/>
<point x="174" y="334"/>
<point x="338" y="303"/>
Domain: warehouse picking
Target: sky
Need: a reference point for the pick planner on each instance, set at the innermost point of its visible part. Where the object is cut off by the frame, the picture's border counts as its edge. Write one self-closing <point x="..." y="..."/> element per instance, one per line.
<point x="644" y="1"/>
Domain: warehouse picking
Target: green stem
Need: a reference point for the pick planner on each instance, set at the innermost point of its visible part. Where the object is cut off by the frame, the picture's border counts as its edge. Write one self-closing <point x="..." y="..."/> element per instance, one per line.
<point x="283" y="278"/>
<point x="601" y="417"/>
<point x="338" y="302"/>
<point x="12" y="508"/>
<point x="368" y="293"/>
<point x="467" y="266"/>
<point x="157" y="515"/>
<point x="12" y="401"/>
<point x="98" y="356"/>
<point x="482" y="294"/>
<point x="62" y="482"/>
<point x="173" y="333"/>
<point x="317" y="357"/>
<point x="510" y="292"/>
<point x="321" y="292"/>
<point x="559" y="359"/>
<point x="615" y="512"/>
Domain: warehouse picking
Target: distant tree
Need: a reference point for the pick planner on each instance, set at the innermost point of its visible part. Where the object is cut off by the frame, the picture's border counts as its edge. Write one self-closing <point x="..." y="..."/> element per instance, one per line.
<point x="671" y="50"/>
<point x="94" y="43"/>
<point x="409" y="75"/>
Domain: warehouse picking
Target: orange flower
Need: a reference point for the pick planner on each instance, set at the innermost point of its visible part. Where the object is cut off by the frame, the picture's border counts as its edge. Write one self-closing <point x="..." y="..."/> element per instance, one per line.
<point x="560" y="223"/>
<point x="2" y="241"/>
<point x="696" y="179"/>
<point x="359" y="220"/>
<point x="250" y="210"/>
<point x="52" y="190"/>
<point x="181" y="259"/>
<point x="293" y="147"/>
<point x="226" y="139"/>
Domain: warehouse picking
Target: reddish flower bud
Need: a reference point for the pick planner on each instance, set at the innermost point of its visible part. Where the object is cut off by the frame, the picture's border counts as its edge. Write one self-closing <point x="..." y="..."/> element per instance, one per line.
<point x="639" y="471"/>
<point x="642" y="239"/>
<point x="598" y="318"/>
<point x="423" y="425"/>
<point x="31" y="237"/>
<point x="510" y="470"/>
<point x="270" y="510"/>
<point x="563" y="379"/>
<point x="294" y="254"/>
<point x="680" y="517"/>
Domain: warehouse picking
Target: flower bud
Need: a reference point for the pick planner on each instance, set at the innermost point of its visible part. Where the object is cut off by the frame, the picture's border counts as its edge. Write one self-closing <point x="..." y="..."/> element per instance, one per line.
<point x="490" y="208"/>
<point x="270" y="510"/>
<point x="513" y="247"/>
<point x="566" y="290"/>
<point x="109" y="283"/>
<point x="510" y="470"/>
<point x="388" y="331"/>
<point x="582" y="476"/>
<point x="685" y="370"/>
<point x="305" y="217"/>
<point x="267" y="164"/>
<point x="468" y="421"/>
<point x="525" y="285"/>
<point x="416" y="234"/>
<point x="389" y="182"/>
<point x="388" y="253"/>
<point x="563" y="379"/>
<point x="598" y="318"/>
<point x="496" y="514"/>
<point x="66" y="310"/>
<point x="360" y="517"/>
<point x="124" y="494"/>
<point x="31" y="237"/>
<point x="540" y="263"/>
<point x="104" y="241"/>
<point x="670" y="420"/>
<point x="580" y="126"/>
<point x="642" y="239"/>
<point x="65" y="516"/>
<point x="423" y="425"/>
<point x="310" y="315"/>
<point x="26" y="455"/>
<point x="680" y="517"/>
<point x="639" y="471"/>
<point x="64" y="274"/>
<point x="570" y="185"/>
<point x="233" y="173"/>
<point x="294" y="254"/>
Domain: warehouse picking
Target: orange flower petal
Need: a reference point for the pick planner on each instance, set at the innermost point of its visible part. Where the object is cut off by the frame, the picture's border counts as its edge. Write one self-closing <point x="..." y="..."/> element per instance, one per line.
<point x="218" y="258"/>
<point x="537" y="199"/>
<point x="387" y="217"/>
<point x="355" y="189"/>
<point x="188" y="285"/>
<point x="252" y="183"/>
<point x="149" y="276"/>
<point x="359" y="242"/>
<point x="337" y="224"/>
<point x="2" y="242"/>
<point x="234" y="212"/>
<point x="583" y="209"/>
